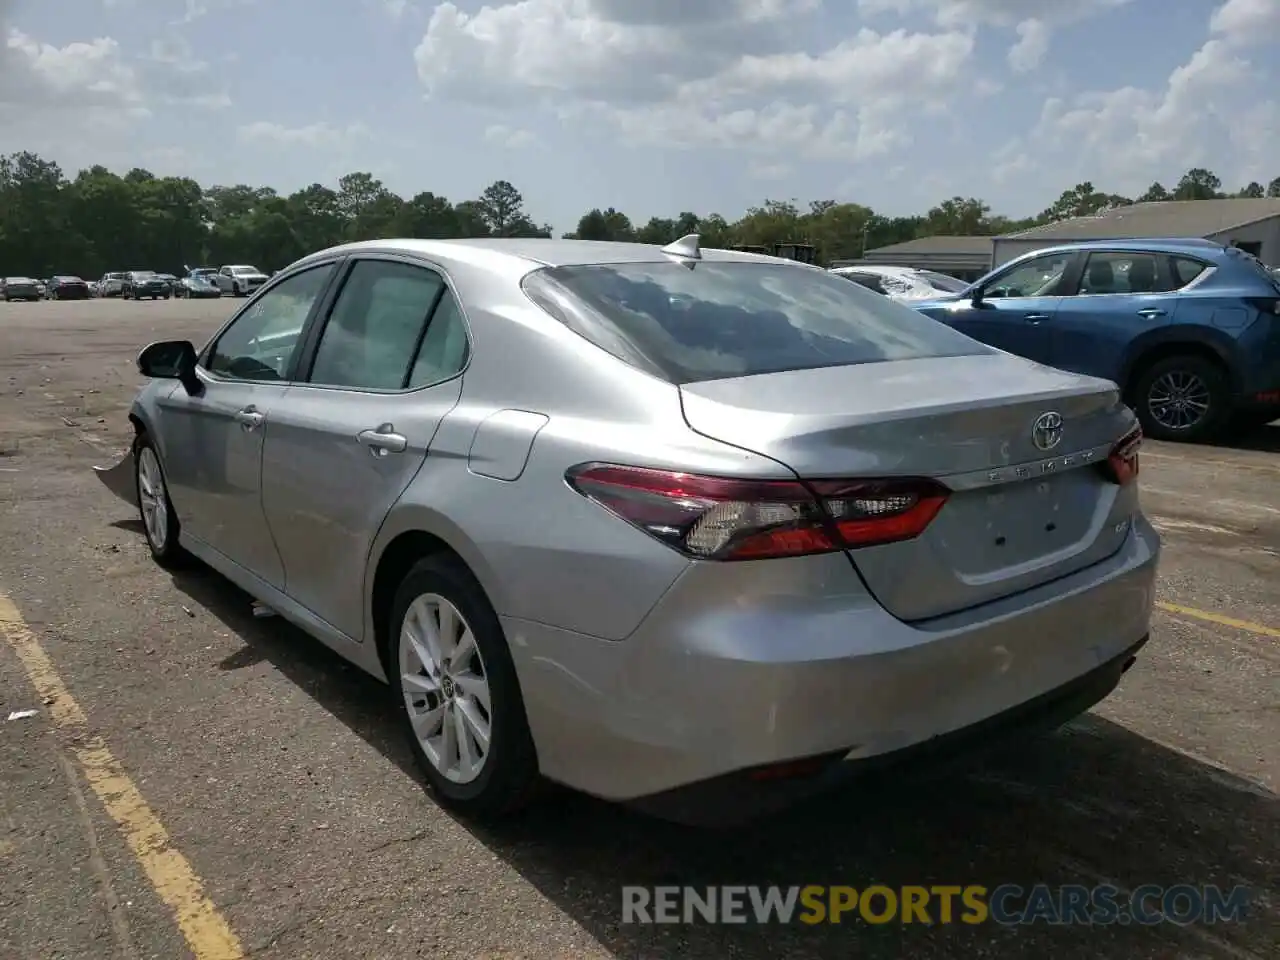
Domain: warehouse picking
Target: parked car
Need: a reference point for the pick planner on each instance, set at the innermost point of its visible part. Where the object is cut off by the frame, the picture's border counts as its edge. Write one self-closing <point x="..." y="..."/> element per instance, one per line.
<point x="19" y="288"/>
<point x="145" y="284"/>
<point x="901" y="283"/>
<point x="42" y="287"/>
<point x="111" y="284"/>
<point x="199" y="282"/>
<point x="1189" y="329"/>
<point x="240" y="280"/>
<point x="677" y="535"/>
<point x="67" y="288"/>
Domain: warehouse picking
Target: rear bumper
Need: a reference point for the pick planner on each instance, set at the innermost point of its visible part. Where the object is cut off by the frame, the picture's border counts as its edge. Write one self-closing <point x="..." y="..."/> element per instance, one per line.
<point x="741" y="666"/>
<point x="746" y="795"/>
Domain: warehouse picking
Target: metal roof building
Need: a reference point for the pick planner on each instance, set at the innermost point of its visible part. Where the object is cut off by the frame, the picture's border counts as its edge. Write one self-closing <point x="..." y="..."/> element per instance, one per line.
<point x="964" y="257"/>
<point x="1252" y="225"/>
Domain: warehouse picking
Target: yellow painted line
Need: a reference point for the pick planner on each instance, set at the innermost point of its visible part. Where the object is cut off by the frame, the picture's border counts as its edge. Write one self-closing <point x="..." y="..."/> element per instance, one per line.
<point x="1219" y="619"/>
<point x="207" y="933"/>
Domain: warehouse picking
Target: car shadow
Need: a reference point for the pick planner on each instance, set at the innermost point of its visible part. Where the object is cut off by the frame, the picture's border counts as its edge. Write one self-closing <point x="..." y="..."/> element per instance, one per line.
<point x="1262" y="439"/>
<point x="1093" y="804"/>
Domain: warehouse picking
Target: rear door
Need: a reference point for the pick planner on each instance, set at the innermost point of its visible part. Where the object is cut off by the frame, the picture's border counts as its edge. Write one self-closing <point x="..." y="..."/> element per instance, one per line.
<point x="1017" y="309"/>
<point x="1116" y="296"/>
<point x="384" y="370"/>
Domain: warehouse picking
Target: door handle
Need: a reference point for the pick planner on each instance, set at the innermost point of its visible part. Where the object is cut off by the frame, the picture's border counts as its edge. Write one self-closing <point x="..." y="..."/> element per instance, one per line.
<point x="1036" y="317"/>
<point x="1151" y="313"/>
<point x="383" y="441"/>
<point x="250" y="418"/>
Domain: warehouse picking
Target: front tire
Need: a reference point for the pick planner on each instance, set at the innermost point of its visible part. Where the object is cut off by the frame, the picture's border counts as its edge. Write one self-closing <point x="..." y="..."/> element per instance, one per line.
<point x="159" y="521"/>
<point x="1184" y="398"/>
<point x="456" y="689"/>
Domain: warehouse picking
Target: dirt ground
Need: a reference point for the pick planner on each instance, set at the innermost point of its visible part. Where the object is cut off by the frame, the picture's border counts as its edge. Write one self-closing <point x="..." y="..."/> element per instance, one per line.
<point x="221" y="774"/>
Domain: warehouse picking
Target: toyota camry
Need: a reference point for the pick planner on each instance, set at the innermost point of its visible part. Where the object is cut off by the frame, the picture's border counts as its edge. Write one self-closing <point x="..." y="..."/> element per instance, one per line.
<point x="697" y="530"/>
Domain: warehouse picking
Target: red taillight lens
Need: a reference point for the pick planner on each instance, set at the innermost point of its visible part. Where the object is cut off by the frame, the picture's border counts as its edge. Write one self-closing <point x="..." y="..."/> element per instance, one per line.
<point x="870" y="512"/>
<point x="717" y="518"/>
<point x="1121" y="465"/>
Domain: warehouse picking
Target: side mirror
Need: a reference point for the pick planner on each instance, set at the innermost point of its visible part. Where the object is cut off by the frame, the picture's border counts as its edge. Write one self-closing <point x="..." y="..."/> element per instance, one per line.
<point x="976" y="296"/>
<point x="171" y="360"/>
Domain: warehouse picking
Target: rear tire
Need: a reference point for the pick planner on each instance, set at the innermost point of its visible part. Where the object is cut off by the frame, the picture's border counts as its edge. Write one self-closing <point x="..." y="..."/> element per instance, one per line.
<point x="1185" y="398"/>
<point x="159" y="521"/>
<point x="508" y="772"/>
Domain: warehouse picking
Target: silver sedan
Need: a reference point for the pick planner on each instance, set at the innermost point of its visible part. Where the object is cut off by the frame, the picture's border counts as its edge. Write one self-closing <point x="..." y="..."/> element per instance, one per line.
<point x="697" y="530"/>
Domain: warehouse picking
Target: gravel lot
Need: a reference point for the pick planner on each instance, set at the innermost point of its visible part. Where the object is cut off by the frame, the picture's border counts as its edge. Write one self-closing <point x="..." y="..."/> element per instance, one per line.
<point x="277" y="774"/>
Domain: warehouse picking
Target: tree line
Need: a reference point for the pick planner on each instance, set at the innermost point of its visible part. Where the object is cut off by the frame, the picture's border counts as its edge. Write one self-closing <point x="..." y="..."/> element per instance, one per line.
<point x="100" y="220"/>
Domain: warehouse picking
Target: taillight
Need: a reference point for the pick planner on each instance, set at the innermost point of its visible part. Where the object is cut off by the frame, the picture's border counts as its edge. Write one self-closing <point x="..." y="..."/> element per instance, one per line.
<point x="1121" y="465"/>
<point x="718" y="518"/>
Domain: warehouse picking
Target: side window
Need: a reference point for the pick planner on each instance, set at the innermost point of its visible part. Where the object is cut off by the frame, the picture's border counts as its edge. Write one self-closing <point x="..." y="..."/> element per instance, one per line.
<point x="1031" y="278"/>
<point x="373" y="332"/>
<point x="1122" y="272"/>
<point x="1185" y="270"/>
<point x="261" y="341"/>
<point x="444" y="348"/>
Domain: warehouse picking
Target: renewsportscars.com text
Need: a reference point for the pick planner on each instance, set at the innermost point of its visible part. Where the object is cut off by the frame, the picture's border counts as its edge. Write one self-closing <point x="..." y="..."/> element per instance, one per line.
<point x="1007" y="904"/>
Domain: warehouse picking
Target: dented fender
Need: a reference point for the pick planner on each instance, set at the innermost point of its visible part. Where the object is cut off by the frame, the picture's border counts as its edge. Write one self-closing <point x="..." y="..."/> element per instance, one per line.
<point x="120" y="479"/>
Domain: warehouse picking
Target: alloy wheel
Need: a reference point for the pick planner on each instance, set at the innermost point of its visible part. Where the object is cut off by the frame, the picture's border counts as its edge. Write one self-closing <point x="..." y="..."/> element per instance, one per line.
<point x="153" y="498"/>
<point x="446" y="688"/>
<point x="1178" y="399"/>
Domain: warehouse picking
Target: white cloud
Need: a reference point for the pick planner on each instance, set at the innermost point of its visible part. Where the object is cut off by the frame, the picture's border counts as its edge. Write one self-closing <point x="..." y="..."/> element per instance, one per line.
<point x="768" y="171"/>
<point x="312" y="135"/>
<point x="508" y="137"/>
<point x="732" y="74"/>
<point x="1133" y="135"/>
<point x="1034" y="21"/>
<point x="36" y="76"/>
<point x="1032" y="45"/>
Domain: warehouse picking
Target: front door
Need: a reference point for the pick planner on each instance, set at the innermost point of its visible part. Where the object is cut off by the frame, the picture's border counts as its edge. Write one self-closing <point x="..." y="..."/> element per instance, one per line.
<point x="1018" y="307"/>
<point x="213" y="441"/>
<point x="345" y="444"/>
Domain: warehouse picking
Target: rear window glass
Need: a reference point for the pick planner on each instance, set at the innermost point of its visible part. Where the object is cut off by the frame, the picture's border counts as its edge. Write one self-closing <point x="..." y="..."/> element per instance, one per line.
<point x="1185" y="269"/>
<point x="735" y="319"/>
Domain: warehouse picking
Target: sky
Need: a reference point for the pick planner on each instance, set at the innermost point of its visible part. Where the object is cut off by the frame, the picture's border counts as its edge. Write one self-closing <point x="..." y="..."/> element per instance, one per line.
<point x="654" y="106"/>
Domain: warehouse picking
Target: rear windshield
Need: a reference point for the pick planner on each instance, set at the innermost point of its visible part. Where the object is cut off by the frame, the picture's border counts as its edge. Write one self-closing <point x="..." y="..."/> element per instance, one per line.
<point x="736" y="319"/>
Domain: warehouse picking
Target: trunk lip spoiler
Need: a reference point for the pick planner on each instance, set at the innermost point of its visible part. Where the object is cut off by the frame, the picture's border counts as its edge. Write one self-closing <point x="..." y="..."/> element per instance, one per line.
<point x="119" y="478"/>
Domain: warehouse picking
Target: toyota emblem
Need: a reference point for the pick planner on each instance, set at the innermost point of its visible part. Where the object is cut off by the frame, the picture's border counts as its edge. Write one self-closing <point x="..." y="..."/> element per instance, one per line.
<point x="1047" y="431"/>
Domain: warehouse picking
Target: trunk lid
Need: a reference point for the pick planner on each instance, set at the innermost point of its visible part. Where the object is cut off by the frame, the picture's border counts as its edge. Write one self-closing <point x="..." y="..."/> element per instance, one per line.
<point x="1018" y="515"/>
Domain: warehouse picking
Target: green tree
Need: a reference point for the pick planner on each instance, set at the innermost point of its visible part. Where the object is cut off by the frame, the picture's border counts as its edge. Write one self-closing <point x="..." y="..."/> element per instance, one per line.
<point x="103" y="220"/>
<point x="1198" y="184"/>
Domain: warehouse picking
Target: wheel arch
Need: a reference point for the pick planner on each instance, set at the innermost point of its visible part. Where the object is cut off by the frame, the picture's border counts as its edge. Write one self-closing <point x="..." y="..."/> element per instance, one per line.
<point x="408" y="535"/>
<point x="1157" y="345"/>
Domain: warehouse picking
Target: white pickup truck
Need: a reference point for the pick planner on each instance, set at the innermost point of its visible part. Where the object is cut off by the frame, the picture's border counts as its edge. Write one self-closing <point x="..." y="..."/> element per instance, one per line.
<point x="239" y="280"/>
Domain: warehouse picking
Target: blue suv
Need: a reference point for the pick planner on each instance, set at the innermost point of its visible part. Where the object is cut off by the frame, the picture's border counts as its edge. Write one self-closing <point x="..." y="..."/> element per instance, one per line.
<point x="1189" y="329"/>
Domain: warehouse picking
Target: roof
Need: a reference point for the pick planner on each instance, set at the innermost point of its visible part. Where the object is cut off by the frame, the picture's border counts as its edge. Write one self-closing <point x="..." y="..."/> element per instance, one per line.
<point x="1164" y="218"/>
<point x="975" y="245"/>
<point x="1159" y="244"/>
<point x="535" y="251"/>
